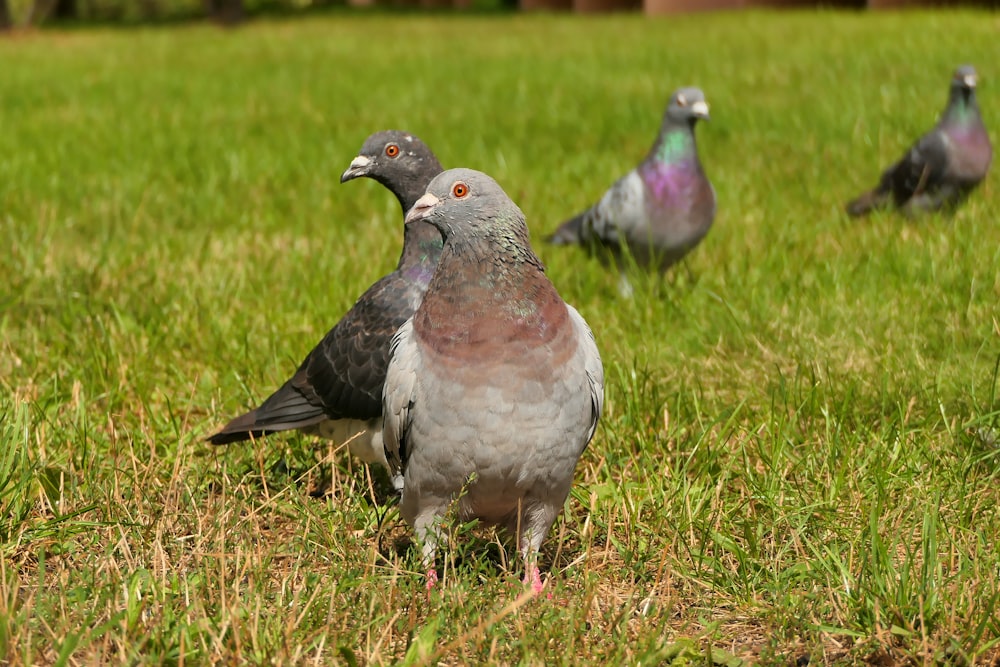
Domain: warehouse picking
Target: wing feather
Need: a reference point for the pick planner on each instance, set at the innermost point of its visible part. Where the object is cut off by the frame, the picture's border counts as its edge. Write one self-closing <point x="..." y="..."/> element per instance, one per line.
<point x="398" y="395"/>
<point x="594" y="367"/>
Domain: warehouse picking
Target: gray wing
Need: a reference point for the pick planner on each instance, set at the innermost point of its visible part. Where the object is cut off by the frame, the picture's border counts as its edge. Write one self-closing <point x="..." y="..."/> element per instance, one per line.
<point x="912" y="182"/>
<point x="595" y="369"/>
<point x="620" y="212"/>
<point x="622" y="209"/>
<point x="398" y="395"/>
<point x="923" y="168"/>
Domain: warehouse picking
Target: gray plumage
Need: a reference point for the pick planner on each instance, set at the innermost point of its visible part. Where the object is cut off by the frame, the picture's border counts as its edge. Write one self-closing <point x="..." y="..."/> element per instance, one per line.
<point x="336" y="392"/>
<point x="944" y="166"/>
<point x="661" y="209"/>
<point x="495" y="385"/>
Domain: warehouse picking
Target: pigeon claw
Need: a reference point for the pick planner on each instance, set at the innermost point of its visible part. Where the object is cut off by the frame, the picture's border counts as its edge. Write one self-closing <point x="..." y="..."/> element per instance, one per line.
<point x="533" y="579"/>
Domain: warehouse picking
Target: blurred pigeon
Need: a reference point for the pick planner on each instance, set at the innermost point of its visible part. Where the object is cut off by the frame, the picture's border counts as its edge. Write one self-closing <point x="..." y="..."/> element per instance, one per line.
<point x="944" y="166"/>
<point x="495" y="385"/>
<point x="661" y="209"/>
<point x="337" y="391"/>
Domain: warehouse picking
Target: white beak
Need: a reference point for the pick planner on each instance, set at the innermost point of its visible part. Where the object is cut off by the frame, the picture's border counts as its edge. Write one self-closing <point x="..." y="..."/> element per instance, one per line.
<point x="422" y="208"/>
<point x="700" y="109"/>
<point x="357" y="168"/>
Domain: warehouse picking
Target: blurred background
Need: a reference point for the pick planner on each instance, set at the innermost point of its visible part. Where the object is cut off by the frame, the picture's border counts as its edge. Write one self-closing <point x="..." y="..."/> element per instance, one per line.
<point x="14" y="13"/>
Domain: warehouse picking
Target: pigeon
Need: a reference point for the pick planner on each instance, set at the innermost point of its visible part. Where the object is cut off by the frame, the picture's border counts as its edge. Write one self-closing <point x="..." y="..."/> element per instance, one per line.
<point x="661" y="209"/>
<point x="336" y="393"/>
<point x="495" y="385"/>
<point x="944" y="166"/>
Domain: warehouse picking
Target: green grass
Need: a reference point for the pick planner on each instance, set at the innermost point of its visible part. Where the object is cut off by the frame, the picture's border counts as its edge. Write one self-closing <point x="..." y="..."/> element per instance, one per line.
<point x="799" y="451"/>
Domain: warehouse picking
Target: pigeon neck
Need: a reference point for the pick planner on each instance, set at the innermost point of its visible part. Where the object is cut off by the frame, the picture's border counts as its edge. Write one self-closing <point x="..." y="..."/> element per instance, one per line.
<point x="410" y="183"/>
<point x="487" y="288"/>
<point x="675" y="144"/>
<point x="962" y="107"/>
<point x="408" y="191"/>
<point x="422" y="245"/>
<point x="498" y="254"/>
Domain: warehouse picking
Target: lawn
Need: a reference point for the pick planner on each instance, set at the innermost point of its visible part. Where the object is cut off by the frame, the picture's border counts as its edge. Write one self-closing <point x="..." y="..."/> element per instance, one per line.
<point x="800" y="452"/>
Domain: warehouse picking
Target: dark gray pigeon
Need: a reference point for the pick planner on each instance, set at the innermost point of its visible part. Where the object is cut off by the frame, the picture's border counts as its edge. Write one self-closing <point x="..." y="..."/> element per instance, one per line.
<point x="337" y="391"/>
<point x="495" y="385"/>
<point x="661" y="209"/>
<point x="944" y="166"/>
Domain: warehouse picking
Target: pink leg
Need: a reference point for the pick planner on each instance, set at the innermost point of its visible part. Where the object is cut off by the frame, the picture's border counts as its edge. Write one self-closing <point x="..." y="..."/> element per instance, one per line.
<point x="432" y="579"/>
<point x="533" y="578"/>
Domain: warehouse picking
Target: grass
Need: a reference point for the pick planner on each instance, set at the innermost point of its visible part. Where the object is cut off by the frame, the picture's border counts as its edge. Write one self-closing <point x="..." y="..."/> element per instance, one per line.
<point x="799" y="454"/>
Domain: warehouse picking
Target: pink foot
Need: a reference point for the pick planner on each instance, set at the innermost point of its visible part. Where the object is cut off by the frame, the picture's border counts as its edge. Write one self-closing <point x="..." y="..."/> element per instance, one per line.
<point x="432" y="579"/>
<point x="533" y="578"/>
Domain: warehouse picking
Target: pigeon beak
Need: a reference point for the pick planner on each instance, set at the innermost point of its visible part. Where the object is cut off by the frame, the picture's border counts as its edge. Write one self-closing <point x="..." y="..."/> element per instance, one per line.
<point x="359" y="167"/>
<point x="422" y="209"/>
<point x="969" y="80"/>
<point x="700" y="110"/>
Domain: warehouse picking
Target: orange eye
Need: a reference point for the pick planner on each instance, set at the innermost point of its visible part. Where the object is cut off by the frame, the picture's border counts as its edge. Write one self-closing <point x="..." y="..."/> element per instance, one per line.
<point x="681" y="101"/>
<point x="392" y="150"/>
<point x="459" y="190"/>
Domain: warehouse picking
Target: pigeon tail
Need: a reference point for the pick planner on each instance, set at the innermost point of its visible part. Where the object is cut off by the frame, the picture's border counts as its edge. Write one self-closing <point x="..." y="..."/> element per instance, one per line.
<point x="239" y="429"/>
<point x="225" y="437"/>
<point x="569" y="232"/>
<point x="868" y="202"/>
<point x="245" y="427"/>
<point x="283" y="411"/>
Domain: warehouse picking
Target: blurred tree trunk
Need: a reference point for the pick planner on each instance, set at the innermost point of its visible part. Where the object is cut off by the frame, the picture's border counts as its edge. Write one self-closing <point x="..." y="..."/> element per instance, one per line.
<point x="5" y="22"/>
<point x="150" y="9"/>
<point x="65" y="10"/>
<point x="226" y="12"/>
<point x="41" y="10"/>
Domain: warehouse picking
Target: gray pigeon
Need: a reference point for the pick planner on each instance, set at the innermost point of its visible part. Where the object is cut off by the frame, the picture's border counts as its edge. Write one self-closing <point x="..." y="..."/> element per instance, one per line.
<point x="337" y="391"/>
<point x="661" y="209"/>
<point x="944" y="166"/>
<point x="495" y="385"/>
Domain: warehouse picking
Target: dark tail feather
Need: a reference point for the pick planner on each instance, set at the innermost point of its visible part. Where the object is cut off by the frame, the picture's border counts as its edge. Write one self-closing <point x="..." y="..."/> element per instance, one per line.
<point x="260" y="422"/>
<point x="866" y="203"/>
<point x="286" y="409"/>
<point x="238" y="430"/>
<point x="255" y="425"/>
<point x="569" y="232"/>
<point x="223" y="438"/>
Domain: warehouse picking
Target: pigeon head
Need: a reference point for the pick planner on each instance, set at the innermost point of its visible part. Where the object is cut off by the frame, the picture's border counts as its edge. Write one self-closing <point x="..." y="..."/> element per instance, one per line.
<point x="962" y="108"/>
<point x="965" y="78"/>
<point x="399" y="161"/>
<point x="465" y="202"/>
<point x="687" y="105"/>
<point x="676" y="144"/>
